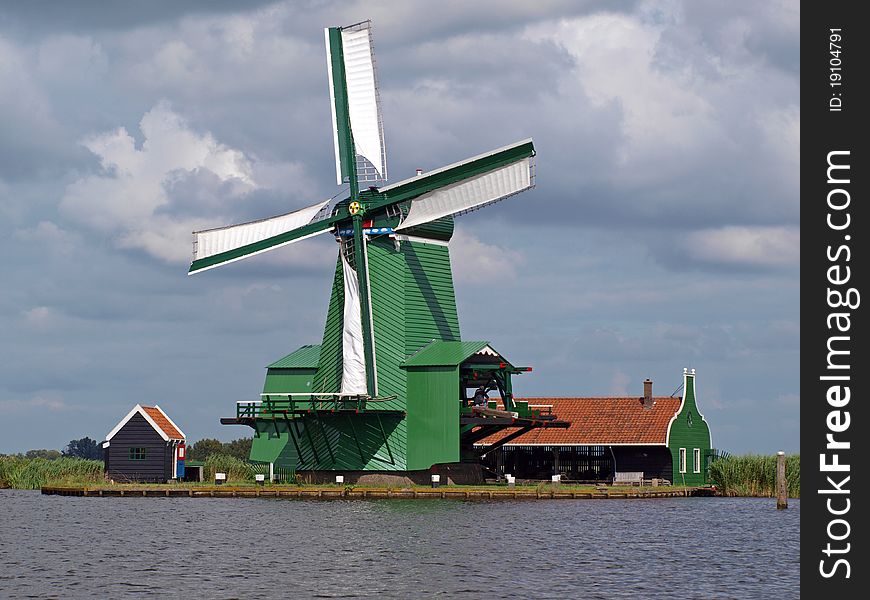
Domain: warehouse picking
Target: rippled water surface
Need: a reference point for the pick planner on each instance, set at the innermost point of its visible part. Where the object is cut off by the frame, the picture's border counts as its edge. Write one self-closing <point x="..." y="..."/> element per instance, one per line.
<point x="65" y="547"/>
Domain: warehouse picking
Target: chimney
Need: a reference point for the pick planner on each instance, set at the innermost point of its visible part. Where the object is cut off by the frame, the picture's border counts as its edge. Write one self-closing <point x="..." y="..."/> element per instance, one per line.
<point x="419" y="172"/>
<point x="647" y="394"/>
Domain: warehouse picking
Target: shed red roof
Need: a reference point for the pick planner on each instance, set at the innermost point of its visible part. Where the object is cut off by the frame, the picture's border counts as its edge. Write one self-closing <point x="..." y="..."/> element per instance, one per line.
<point x="599" y="422"/>
<point x="163" y="423"/>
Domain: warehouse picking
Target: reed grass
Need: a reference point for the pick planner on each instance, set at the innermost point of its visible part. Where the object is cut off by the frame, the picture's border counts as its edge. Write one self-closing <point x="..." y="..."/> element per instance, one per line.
<point x="33" y="473"/>
<point x="755" y="475"/>
<point x="236" y="470"/>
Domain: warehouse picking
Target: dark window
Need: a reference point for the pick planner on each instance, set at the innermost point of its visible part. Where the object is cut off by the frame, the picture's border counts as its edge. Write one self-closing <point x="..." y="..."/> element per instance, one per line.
<point x="137" y="453"/>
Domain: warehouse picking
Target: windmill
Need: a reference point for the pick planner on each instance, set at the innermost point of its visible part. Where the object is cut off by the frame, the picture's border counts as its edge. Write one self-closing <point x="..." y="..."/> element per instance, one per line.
<point x="386" y="390"/>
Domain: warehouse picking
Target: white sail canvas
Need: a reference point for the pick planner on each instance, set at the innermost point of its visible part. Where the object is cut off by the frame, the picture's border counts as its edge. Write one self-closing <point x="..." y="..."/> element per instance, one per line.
<point x="353" y="360"/>
<point x="210" y="242"/>
<point x="469" y="193"/>
<point x="362" y="98"/>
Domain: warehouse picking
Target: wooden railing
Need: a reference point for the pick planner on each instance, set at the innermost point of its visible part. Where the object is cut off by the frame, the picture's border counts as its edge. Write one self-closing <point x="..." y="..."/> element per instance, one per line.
<point x="277" y="404"/>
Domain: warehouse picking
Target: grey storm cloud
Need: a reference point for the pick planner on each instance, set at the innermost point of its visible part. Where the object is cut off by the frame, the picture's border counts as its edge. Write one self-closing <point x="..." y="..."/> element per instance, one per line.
<point x="663" y="229"/>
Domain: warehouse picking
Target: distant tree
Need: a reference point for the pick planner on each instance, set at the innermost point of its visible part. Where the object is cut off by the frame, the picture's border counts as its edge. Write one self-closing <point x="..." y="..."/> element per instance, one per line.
<point x="84" y="448"/>
<point x="49" y="454"/>
<point x="202" y="449"/>
<point x="240" y="448"/>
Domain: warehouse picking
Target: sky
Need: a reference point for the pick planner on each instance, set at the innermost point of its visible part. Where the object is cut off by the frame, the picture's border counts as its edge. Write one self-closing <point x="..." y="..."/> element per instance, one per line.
<point x="663" y="231"/>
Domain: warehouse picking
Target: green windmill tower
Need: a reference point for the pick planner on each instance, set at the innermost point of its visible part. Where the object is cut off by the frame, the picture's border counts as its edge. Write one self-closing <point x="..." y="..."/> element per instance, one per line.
<point x="387" y="389"/>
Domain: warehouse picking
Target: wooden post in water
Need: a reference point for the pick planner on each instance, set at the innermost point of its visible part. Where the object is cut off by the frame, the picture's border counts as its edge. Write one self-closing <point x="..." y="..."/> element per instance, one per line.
<point x="781" y="483"/>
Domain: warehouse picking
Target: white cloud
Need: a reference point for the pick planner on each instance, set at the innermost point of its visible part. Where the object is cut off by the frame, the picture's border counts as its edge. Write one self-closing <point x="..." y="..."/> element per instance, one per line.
<point x="41" y="317"/>
<point x="615" y="63"/>
<point x="475" y="261"/>
<point x="690" y="132"/>
<point x="70" y="60"/>
<point x="49" y="400"/>
<point x="31" y="135"/>
<point x="126" y="199"/>
<point x="765" y="247"/>
<point x="781" y="127"/>
<point x="51" y="320"/>
<point x="221" y="56"/>
<point x="48" y="236"/>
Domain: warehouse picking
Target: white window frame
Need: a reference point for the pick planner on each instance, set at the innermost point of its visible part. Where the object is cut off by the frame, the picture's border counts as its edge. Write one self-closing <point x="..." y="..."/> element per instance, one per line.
<point x="696" y="460"/>
<point x="682" y="460"/>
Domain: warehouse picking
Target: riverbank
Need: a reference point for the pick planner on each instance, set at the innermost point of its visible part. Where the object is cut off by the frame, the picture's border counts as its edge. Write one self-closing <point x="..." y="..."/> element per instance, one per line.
<point x="547" y="492"/>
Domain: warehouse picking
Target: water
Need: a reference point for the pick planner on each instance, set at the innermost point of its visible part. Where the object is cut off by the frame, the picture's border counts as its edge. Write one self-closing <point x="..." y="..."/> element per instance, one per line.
<point x="52" y="546"/>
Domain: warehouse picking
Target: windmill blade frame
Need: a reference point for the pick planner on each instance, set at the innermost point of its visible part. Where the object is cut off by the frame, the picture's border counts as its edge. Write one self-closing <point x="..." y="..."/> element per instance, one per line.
<point x="470" y="194"/>
<point x="222" y="245"/>
<point x="464" y="186"/>
<point x="357" y="122"/>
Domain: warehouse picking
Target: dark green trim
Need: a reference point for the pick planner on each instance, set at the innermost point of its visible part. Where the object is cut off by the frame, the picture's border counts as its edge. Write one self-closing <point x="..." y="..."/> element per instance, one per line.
<point x="364" y="302"/>
<point x="347" y="151"/>
<point x="339" y="91"/>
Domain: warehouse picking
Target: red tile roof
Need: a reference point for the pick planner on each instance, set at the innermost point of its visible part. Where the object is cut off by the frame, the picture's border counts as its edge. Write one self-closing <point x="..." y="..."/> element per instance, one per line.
<point x="599" y="422"/>
<point x="163" y="423"/>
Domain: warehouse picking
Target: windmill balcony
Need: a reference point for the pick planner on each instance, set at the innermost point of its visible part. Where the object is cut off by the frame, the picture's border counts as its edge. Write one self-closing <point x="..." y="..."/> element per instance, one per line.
<point x="282" y="404"/>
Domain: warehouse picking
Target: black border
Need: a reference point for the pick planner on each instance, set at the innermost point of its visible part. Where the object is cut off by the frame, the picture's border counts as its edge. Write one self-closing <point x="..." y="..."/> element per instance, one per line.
<point x="823" y="131"/>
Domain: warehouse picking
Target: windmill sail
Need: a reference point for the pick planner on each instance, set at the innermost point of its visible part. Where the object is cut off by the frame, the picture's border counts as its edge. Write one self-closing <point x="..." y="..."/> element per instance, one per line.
<point x="356" y="114"/>
<point x="353" y="360"/>
<point x="467" y="185"/>
<point x="214" y="247"/>
<point x="469" y="194"/>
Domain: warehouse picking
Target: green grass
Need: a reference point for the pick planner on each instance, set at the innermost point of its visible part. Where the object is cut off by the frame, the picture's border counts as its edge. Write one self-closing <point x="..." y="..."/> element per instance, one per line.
<point x="33" y="473"/>
<point x="755" y="475"/>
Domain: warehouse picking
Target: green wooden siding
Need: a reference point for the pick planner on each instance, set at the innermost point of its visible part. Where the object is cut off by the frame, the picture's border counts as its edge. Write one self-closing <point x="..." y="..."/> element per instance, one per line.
<point x="306" y="357"/>
<point x="386" y="275"/>
<point x="439" y="229"/>
<point x="285" y="381"/>
<point x="328" y="377"/>
<point x="350" y="442"/>
<point x="690" y="431"/>
<point x="433" y="416"/>
<point x="430" y="302"/>
<point x="272" y="443"/>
